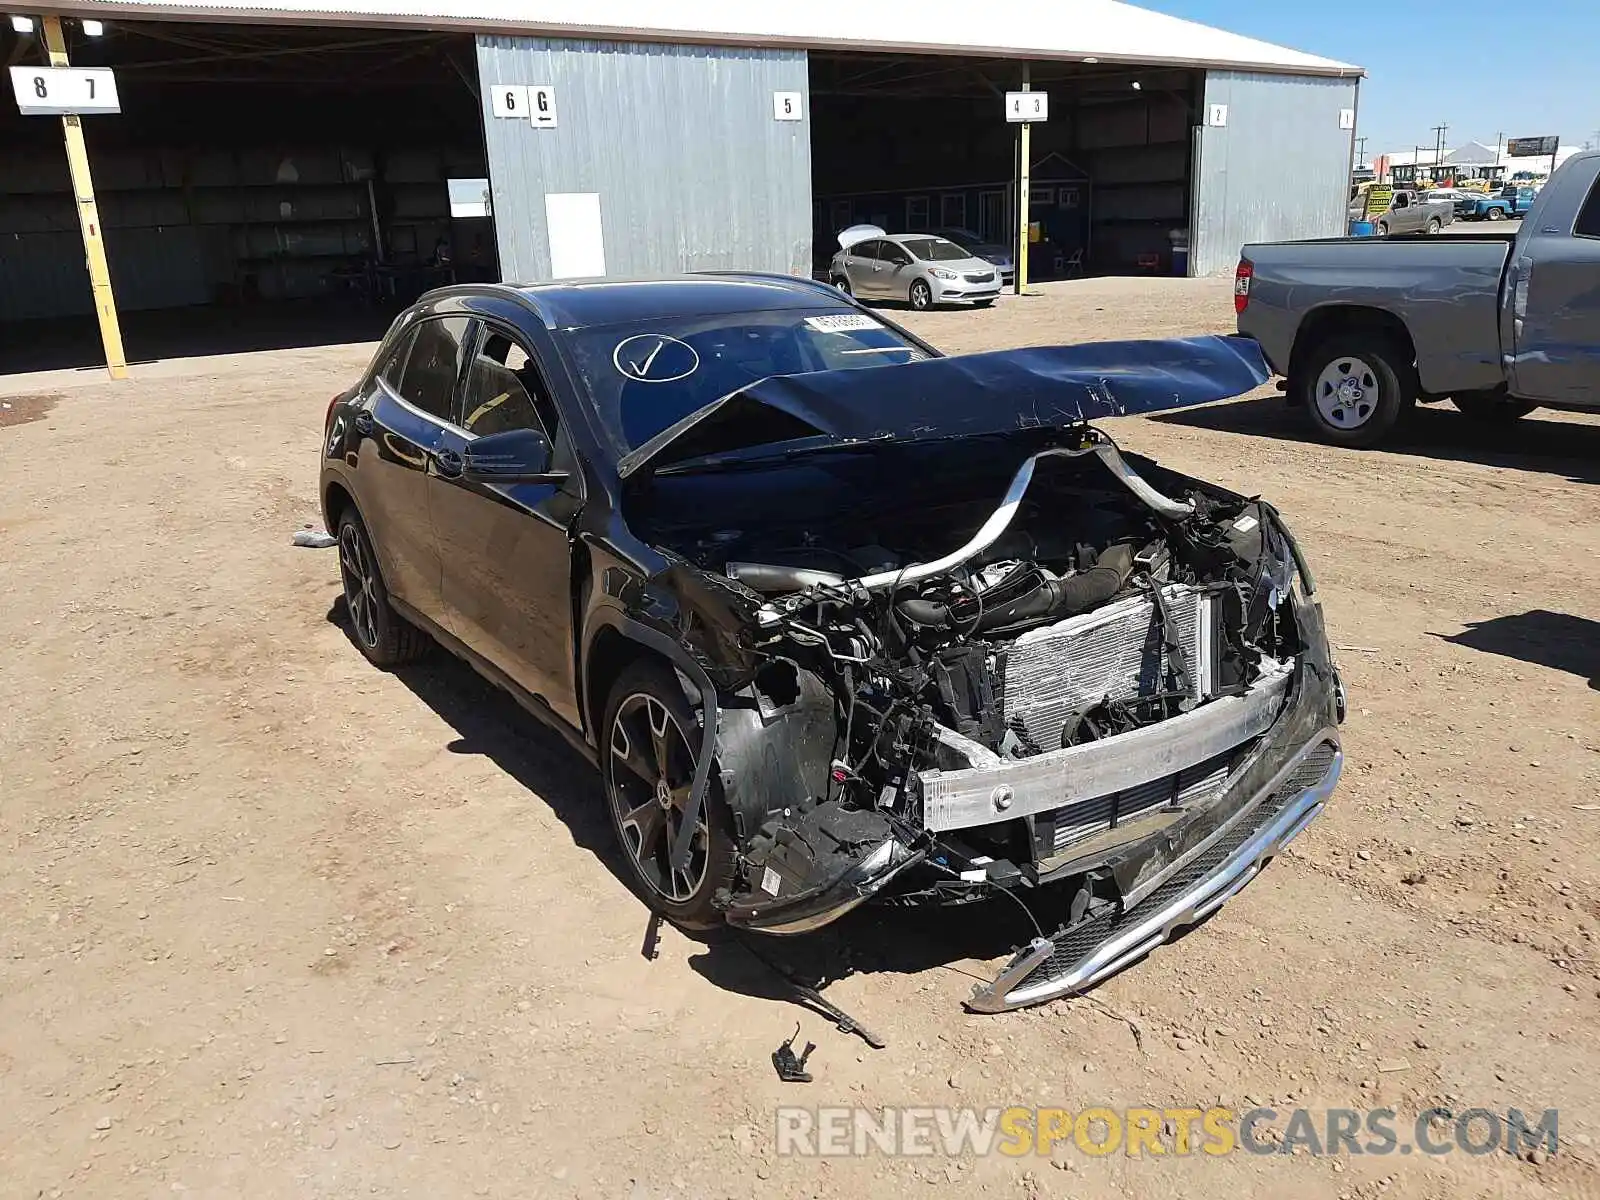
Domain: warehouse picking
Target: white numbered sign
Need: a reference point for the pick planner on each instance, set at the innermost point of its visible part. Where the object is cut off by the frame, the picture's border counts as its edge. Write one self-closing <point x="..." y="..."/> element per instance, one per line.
<point x="786" y="106"/>
<point x="1027" y="106"/>
<point x="542" y="105"/>
<point x="1217" y="116"/>
<point x="51" y="91"/>
<point x="1347" y="118"/>
<point x="511" y="100"/>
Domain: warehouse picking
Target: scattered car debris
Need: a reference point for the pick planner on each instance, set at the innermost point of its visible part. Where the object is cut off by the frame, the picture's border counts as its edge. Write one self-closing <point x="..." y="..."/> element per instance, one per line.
<point x="792" y="1068"/>
<point x="805" y="992"/>
<point x="314" y="538"/>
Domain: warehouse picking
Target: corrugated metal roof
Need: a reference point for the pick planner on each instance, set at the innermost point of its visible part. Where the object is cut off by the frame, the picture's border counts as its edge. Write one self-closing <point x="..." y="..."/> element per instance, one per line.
<point x="1105" y="30"/>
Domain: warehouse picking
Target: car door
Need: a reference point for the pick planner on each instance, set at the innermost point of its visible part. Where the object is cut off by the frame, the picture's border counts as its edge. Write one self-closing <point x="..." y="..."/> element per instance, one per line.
<point x="1402" y="216"/>
<point x="1557" y="310"/>
<point x="865" y="268"/>
<point x="506" y="558"/>
<point x="402" y="421"/>
<point x="899" y="269"/>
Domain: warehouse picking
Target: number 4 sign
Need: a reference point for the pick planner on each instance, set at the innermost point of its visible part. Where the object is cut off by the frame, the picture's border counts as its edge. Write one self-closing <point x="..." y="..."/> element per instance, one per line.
<point x="1027" y="106"/>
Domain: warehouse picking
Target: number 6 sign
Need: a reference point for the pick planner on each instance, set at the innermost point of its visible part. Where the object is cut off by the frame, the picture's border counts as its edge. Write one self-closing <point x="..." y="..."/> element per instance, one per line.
<point x="511" y="100"/>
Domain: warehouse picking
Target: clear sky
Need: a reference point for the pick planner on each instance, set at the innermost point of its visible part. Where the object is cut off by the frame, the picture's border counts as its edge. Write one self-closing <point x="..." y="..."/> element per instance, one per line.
<point x="1529" y="68"/>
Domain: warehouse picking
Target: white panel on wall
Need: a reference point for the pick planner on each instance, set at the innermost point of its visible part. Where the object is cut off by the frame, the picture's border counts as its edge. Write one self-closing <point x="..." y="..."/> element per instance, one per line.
<point x="577" y="244"/>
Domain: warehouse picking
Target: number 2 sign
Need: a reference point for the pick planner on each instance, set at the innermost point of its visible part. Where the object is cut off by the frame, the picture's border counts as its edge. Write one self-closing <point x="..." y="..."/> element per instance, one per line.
<point x="53" y="91"/>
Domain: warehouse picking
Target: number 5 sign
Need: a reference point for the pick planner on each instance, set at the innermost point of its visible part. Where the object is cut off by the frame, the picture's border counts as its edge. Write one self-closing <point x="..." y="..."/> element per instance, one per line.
<point x="53" y="91"/>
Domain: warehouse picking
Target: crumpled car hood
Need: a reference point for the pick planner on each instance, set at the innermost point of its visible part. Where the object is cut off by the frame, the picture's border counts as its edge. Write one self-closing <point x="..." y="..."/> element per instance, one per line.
<point x="964" y="396"/>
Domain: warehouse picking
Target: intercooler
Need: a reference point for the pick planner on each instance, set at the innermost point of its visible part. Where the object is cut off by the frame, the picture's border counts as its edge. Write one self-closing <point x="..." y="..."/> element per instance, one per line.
<point x="1116" y="651"/>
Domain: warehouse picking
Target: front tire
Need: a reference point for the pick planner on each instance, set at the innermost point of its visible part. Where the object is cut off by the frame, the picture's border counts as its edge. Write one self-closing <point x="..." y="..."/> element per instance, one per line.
<point x="1492" y="410"/>
<point x="651" y="747"/>
<point x="983" y="304"/>
<point x="380" y="633"/>
<point x="1355" y="388"/>
<point x="921" y="296"/>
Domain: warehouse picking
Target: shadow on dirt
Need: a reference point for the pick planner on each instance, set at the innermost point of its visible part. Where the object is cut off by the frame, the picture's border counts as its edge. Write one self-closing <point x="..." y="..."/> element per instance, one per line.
<point x="1544" y="639"/>
<point x="871" y="940"/>
<point x="1433" y="431"/>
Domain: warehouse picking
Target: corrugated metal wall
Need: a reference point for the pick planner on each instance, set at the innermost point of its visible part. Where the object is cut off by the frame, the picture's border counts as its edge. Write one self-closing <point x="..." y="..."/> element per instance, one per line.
<point x="1279" y="168"/>
<point x="680" y="142"/>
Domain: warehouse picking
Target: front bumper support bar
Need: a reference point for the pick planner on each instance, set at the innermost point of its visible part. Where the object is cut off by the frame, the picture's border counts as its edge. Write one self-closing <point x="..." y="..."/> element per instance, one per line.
<point x="1079" y="957"/>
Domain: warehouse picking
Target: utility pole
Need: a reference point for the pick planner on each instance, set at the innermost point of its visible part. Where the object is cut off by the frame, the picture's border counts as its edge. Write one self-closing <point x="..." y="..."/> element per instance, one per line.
<point x="1361" y="150"/>
<point x="1439" y="131"/>
<point x="94" y="247"/>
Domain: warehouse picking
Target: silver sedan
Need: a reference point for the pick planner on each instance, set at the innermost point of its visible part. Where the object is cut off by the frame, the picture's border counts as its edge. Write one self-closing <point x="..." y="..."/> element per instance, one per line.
<point x="918" y="268"/>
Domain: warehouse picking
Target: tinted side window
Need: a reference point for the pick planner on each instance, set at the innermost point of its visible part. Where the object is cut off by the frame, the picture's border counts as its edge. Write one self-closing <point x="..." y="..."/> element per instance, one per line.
<point x="1589" y="219"/>
<point x="505" y="390"/>
<point x="393" y="364"/>
<point x="434" y="365"/>
<point x="866" y="249"/>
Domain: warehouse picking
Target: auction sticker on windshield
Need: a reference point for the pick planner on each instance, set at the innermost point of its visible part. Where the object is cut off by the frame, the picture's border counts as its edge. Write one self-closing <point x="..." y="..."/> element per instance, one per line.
<point x="842" y="323"/>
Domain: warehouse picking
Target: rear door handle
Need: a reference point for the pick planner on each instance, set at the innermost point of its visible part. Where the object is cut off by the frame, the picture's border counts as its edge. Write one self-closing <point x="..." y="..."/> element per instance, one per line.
<point x="449" y="462"/>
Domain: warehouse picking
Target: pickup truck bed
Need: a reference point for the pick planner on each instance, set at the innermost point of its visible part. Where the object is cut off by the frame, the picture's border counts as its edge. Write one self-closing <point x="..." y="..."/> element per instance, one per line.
<point x="1498" y="323"/>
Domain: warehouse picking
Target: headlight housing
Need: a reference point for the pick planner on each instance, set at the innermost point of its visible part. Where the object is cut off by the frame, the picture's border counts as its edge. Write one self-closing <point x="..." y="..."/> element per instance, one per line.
<point x="941" y="273"/>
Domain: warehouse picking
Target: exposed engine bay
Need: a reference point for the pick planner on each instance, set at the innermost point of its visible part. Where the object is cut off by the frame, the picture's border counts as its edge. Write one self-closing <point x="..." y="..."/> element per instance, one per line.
<point x="1081" y="608"/>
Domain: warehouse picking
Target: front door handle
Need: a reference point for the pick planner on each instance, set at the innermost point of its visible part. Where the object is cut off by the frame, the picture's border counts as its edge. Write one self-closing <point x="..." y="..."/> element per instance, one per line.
<point x="362" y="422"/>
<point x="449" y="463"/>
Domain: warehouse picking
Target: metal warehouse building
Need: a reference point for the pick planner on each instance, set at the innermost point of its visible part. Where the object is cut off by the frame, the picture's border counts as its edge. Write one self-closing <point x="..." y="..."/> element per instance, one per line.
<point x="268" y="159"/>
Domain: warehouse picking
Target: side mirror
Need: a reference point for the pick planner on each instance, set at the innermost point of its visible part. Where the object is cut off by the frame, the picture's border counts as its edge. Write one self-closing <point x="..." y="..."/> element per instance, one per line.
<point x="515" y="456"/>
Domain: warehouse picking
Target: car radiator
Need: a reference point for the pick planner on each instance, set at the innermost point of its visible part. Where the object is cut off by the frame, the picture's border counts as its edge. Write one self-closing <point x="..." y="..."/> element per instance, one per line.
<point x="1115" y="651"/>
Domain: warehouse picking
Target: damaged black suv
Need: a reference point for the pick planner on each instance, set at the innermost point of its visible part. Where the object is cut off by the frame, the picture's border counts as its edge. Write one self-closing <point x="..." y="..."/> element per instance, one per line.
<point x="840" y="618"/>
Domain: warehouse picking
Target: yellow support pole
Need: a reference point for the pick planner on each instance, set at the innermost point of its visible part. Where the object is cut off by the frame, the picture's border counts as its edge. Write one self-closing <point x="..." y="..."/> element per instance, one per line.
<point x="94" y="246"/>
<point x="1024" y="154"/>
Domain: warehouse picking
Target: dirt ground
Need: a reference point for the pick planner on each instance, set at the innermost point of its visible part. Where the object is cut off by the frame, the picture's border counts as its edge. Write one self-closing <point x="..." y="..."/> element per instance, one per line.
<point x="278" y="924"/>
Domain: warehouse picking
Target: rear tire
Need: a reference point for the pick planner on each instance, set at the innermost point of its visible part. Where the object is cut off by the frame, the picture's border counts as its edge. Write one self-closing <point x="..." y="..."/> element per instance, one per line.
<point x="1355" y="388"/>
<point x="1435" y="225"/>
<point x="1494" y="410"/>
<point x="380" y="633"/>
<point x="1497" y="214"/>
<point x="648" y="755"/>
<point x="842" y="282"/>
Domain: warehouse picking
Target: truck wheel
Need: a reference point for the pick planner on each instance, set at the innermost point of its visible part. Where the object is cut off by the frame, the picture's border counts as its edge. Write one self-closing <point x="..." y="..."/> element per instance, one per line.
<point x="1355" y="387"/>
<point x="1497" y="214"/>
<point x="652" y="743"/>
<point x="1492" y="409"/>
<point x="1383" y="229"/>
<point x="1435" y="225"/>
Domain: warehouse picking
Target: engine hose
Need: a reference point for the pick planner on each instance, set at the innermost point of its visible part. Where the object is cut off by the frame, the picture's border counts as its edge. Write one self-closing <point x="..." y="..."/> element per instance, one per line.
<point x="1065" y="597"/>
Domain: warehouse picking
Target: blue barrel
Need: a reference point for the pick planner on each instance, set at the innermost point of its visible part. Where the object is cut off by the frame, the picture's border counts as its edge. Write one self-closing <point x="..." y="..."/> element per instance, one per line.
<point x="1361" y="228"/>
<point x="1180" y="261"/>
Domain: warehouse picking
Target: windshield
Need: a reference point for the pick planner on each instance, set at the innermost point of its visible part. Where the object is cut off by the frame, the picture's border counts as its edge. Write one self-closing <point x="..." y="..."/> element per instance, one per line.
<point x="934" y="249"/>
<point x="648" y="375"/>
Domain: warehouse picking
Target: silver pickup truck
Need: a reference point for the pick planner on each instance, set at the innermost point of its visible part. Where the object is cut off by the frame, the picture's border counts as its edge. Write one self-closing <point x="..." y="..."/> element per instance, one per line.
<point x="1499" y="324"/>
